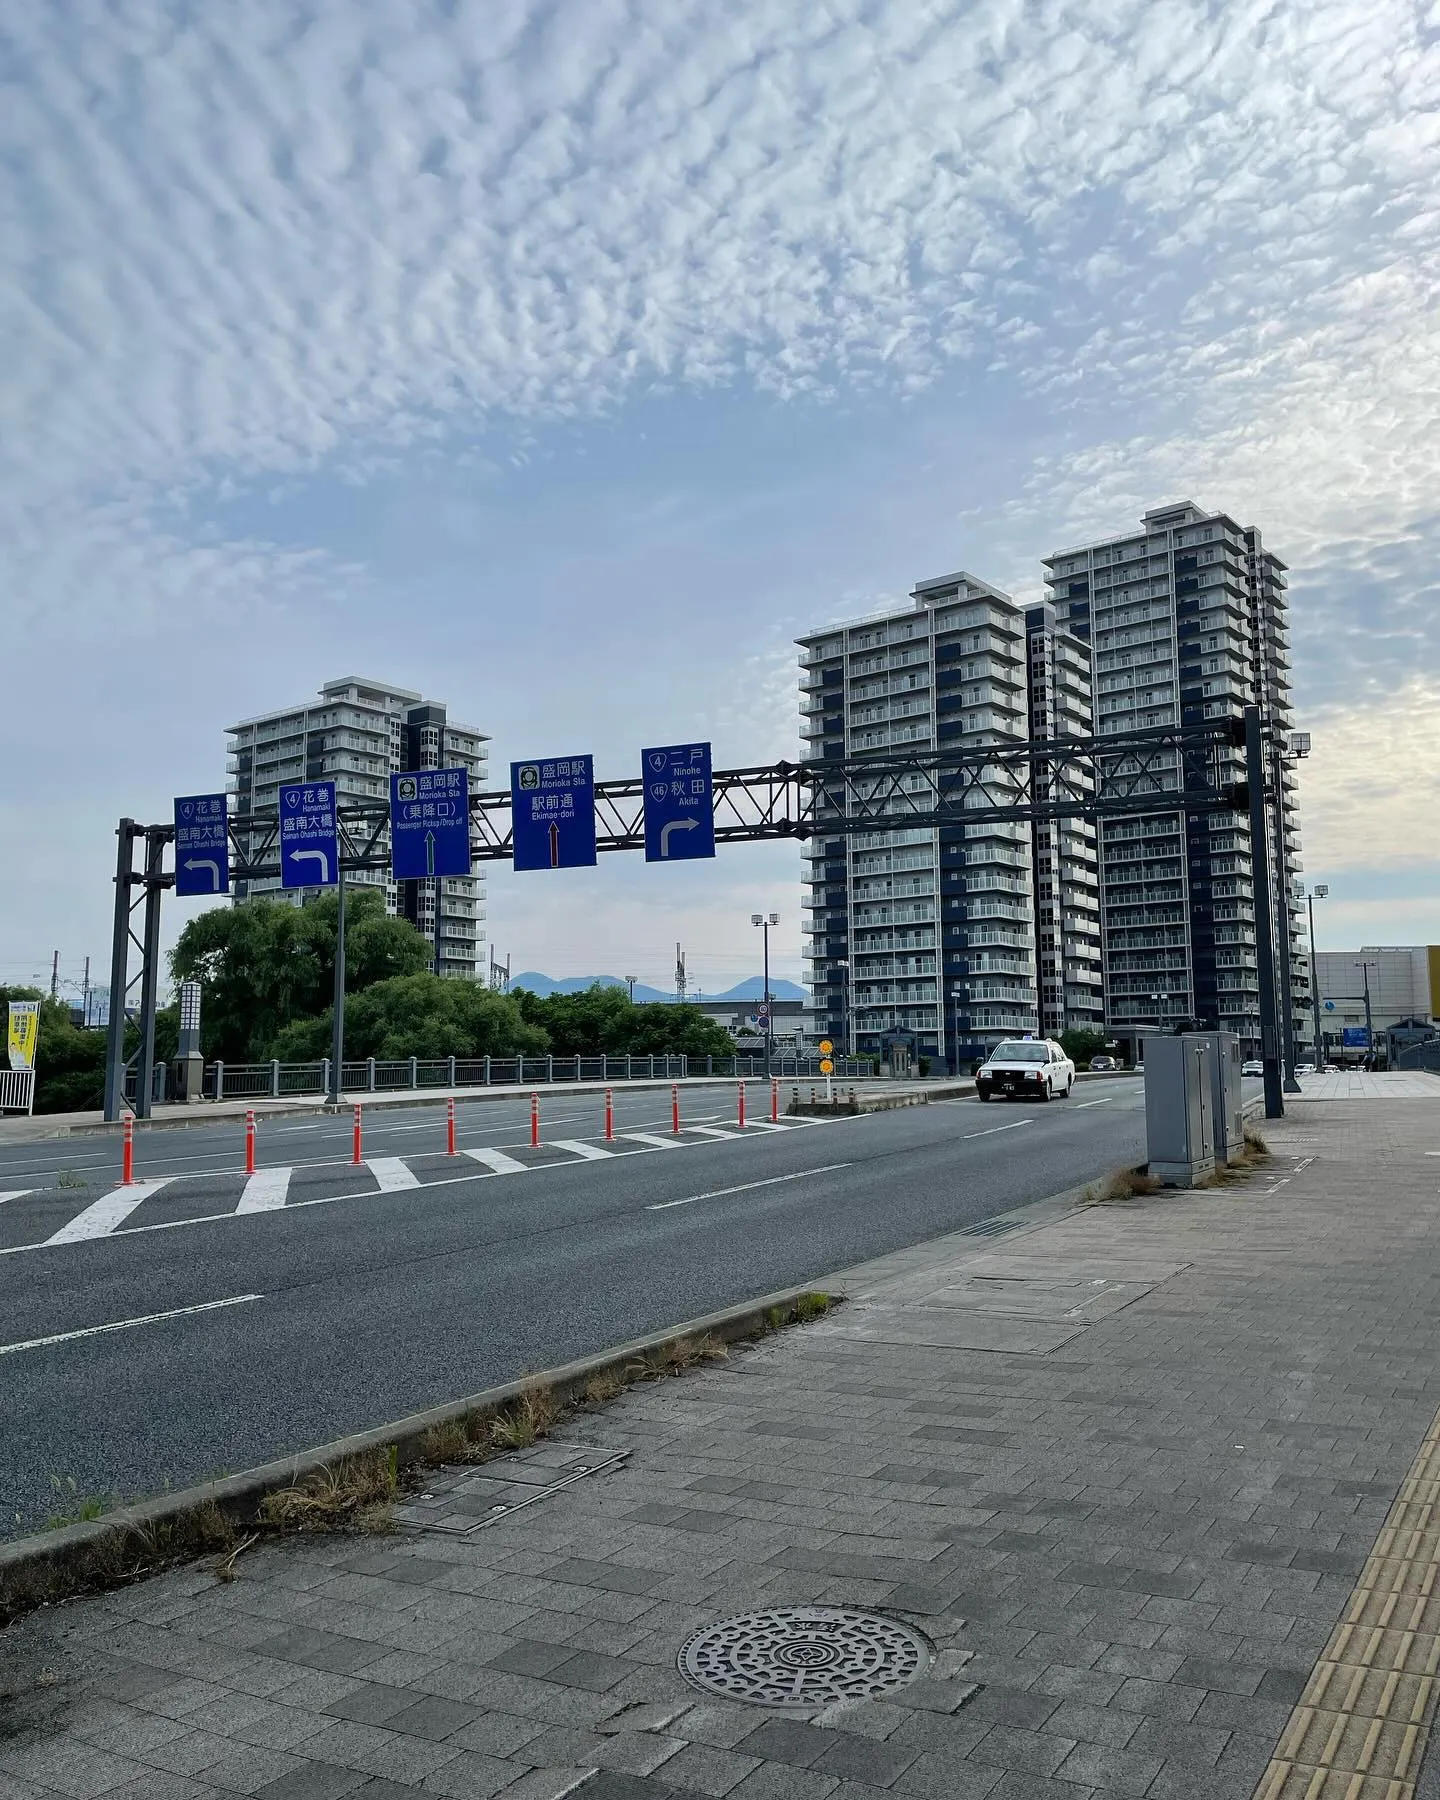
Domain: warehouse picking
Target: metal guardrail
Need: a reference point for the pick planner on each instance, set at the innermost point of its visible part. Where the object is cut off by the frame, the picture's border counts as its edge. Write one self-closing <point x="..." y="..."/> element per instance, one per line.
<point x="277" y="1080"/>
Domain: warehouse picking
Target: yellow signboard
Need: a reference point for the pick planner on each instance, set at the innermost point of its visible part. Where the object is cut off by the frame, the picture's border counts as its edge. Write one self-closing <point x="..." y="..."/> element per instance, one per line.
<point x="23" y="1034"/>
<point x="826" y="1046"/>
<point x="826" y="1066"/>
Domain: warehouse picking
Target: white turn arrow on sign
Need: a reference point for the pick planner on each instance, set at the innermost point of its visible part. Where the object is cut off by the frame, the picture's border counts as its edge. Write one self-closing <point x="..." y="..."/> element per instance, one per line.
<point x="319" y="856"/>
<point x="213" y="867"/>
<point x="674" y="825"/>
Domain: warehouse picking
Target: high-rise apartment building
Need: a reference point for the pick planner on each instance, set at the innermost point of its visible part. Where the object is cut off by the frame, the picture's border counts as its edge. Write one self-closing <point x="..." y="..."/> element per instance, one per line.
<point x="1066" y="859"/>
<point x="355" y="734"/>
<point x="924" y="938"/>
<point x="1187" y="621"/>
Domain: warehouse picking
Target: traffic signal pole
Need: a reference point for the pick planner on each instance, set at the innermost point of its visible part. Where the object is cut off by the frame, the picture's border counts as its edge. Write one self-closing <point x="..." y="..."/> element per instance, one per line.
<point x="337" y="1034"/>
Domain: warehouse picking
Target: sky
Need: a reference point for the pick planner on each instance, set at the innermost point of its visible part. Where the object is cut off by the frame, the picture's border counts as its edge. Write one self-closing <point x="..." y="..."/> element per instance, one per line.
<point x="566" y="360"/>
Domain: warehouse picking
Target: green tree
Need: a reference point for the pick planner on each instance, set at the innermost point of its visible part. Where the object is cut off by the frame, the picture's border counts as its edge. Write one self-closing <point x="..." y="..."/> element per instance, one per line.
<point x="605" y="1021"/>
<point x="418" y="1015"/>
<point x="69" y="1062"/>
<point x="264" y="965"/>
<point x="1080" y="1046"/>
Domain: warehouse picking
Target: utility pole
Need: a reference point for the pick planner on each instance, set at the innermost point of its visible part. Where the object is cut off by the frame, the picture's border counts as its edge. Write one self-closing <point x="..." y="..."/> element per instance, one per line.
<point x="630" y="981"/>
<point x="765" y="921"/>
<point x="85" y="995"/>
<point x="679" y="975"/>
<point x="1264" y="928"/>
<point x="54" y="974"/>
<point x="1316" y="893"/>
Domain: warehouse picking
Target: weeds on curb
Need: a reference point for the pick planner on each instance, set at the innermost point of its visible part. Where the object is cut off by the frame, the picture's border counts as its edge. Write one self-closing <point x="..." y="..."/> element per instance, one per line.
<point x="1124" y="1184"/>
<point x="356" y="1494"/>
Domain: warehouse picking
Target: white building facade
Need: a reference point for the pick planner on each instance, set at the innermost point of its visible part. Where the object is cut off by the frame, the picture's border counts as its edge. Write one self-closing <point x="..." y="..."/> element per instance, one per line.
<point x="921" y="938"/>
<point x="1069" y="967"/>
<point x="1187" y="621"/>
<point x="355" y="734"/>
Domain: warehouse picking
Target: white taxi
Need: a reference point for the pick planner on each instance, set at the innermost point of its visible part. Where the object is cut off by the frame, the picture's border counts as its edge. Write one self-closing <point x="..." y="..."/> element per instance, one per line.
<point x="1026" y="1069"/>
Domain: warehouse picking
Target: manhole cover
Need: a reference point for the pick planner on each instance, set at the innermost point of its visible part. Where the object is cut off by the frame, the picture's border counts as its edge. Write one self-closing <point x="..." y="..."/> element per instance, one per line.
<point x="804" y="1656"/>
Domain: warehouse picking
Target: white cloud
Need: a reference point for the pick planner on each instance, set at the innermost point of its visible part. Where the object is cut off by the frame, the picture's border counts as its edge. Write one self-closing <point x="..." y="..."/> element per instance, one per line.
<point x="1367" y="791"/>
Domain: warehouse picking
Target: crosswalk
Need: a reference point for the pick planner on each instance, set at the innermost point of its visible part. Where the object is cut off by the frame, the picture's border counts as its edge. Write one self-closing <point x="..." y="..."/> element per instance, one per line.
<point x="46" y="1218"/>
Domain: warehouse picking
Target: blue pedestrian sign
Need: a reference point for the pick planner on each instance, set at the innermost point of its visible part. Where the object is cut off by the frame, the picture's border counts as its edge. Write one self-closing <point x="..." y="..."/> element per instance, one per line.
<point x="202" y="847"/>
<point x="309" y="836"/>
<point x="429" y="823"/>
<point x="679" y="808"/>
<point x="552" y="811"/>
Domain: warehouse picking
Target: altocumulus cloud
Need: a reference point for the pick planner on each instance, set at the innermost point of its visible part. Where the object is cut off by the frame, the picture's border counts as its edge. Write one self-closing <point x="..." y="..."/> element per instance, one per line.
<point x="254" y="239"/>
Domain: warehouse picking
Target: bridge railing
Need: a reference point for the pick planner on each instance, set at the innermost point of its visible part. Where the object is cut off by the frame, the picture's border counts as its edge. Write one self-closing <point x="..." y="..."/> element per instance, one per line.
<point x="277" y="1080"/>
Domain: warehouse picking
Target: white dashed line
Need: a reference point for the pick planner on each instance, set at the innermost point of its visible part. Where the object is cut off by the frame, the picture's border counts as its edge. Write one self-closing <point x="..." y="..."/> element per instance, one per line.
<point x="745" y="1187"/>
<point x="180" y="1312"/>
<point x="1013" y="1126"/>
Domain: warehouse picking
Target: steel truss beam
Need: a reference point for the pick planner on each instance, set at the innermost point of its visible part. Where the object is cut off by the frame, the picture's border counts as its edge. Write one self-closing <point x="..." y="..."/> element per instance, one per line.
<point x="1186" y="768"/>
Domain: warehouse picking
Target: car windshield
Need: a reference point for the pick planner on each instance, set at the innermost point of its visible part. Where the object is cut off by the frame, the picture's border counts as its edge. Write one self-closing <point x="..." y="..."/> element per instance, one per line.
<point x="1020" y="1051"/>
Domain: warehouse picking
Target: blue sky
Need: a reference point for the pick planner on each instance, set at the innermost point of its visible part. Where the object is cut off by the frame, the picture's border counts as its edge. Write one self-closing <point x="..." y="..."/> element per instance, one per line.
<point x="566" y="360"/>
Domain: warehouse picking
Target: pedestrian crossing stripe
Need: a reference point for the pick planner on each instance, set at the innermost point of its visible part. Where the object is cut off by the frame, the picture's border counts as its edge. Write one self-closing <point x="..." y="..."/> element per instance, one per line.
<point x="269" y="1190"/>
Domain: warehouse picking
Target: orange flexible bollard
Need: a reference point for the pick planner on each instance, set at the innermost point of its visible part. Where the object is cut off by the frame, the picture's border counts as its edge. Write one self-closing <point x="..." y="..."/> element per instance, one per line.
<point x="450" y="1127"/>
<point x="775" y="1102"/>
<point x="249" y="1143"/>
<point x="742" y="1103"/>
<point x="127" y="1155"/>
<point x="675" y="1108"/>
<point x="358" y="1129"/>
<point x="534" y="1120"/>
<point x="609" y="1117"/>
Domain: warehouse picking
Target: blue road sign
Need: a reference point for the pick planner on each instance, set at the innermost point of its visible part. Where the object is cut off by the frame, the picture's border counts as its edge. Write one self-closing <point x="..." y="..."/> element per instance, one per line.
<point x="552" y="808"/>
<point x="679" y="810"/>
<point x="309" y="836"/>
<point x="202" y="849"/>
<point x="1354" y="1037"/>
<point x="429" y="823"/>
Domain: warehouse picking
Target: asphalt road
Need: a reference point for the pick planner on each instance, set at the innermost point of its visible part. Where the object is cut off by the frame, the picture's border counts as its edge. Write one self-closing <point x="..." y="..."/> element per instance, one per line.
<point x="345" y="1306"/>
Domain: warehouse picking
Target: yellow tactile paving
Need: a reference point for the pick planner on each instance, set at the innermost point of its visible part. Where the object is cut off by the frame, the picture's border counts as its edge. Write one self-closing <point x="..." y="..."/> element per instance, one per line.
<point x="1360" y="1728"/>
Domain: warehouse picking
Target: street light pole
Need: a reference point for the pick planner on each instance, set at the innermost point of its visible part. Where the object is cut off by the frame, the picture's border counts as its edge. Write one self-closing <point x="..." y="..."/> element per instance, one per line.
<point x="1316" y="893"/>
<point x="765" y="921"/>
<point x="337" y="1032"/>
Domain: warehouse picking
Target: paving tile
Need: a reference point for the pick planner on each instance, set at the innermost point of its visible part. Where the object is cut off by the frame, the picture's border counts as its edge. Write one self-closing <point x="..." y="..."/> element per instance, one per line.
<point x="701" y="1769"/>
<point x="313" y="1781"/>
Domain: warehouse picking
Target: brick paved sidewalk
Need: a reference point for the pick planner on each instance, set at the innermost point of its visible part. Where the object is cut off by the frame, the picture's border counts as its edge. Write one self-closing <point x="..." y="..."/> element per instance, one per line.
<point x="1119" y="1465"/>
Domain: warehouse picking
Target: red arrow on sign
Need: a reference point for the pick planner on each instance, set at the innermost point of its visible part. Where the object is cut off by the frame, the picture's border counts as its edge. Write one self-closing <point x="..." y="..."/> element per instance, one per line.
<point x="554" y="846"/>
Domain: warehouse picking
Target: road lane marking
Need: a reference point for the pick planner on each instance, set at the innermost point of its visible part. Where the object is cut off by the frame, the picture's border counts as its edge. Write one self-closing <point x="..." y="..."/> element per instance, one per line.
<point x="180" y="1312"/>
<point x="766" y="1125"/>
<point x="494" y="1160"/>
<point x="101" y="1217"/>
<point x="588" y="1152"/>
<point x="745" y="1187"/>
<point x="392" y="1175"/>
<point x="714" y="1131"/>
<point x="265" y="1191"/>
<point x="1084" y="1103"/>
<point x="1013" y="1126"/>
<point x="649" y="1137"/>
<point x="15" y="1194"/>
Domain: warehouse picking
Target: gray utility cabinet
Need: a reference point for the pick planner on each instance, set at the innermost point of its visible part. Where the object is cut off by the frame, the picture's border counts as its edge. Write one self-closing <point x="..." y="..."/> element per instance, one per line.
<point x="1225" y="1063"/>
<point x="1180" y="1108"/>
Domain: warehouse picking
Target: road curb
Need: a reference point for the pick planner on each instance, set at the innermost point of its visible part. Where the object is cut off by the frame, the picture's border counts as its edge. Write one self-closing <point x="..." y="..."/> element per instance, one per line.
<point x="70" y="1558"/>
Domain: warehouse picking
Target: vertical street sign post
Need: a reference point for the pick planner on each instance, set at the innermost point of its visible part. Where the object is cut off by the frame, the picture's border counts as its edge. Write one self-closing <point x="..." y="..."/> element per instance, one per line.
<point x="679" y="804"/>
<point x="429" y="824"/>
<point x="310" y="857"/>
<point x="202" y="845"/>
<point x="552" y="809"/>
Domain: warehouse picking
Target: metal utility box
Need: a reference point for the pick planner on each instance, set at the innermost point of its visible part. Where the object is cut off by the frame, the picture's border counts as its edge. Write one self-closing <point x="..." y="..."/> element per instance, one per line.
<point x="1180" y="1109"/>
<point x="1225" y="1061"/>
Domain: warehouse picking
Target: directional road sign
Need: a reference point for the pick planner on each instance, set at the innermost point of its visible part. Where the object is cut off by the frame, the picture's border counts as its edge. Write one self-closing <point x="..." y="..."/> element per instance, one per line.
<point x="309" y="838"/>
<point x="679" y="812"/>
<point x="202" y="848"/>
<point x="429" y="823"/>
<point x="552" y="807"/>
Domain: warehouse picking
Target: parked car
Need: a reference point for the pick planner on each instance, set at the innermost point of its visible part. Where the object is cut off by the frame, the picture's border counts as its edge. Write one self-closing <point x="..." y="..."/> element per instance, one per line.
<point x="1027" y="1069"/>
<point x="1304" y="1068"/>
<point x="1253" y="1067"/>
<point x="1101" y="1065"/>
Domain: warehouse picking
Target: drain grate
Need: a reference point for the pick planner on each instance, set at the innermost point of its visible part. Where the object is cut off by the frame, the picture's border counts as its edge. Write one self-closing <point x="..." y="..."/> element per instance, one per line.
<point x="804" y="1657"/>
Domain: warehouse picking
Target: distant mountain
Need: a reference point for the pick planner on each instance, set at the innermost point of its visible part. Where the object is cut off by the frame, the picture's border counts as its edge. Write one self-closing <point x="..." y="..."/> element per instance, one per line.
<point x="752" y="989"/>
